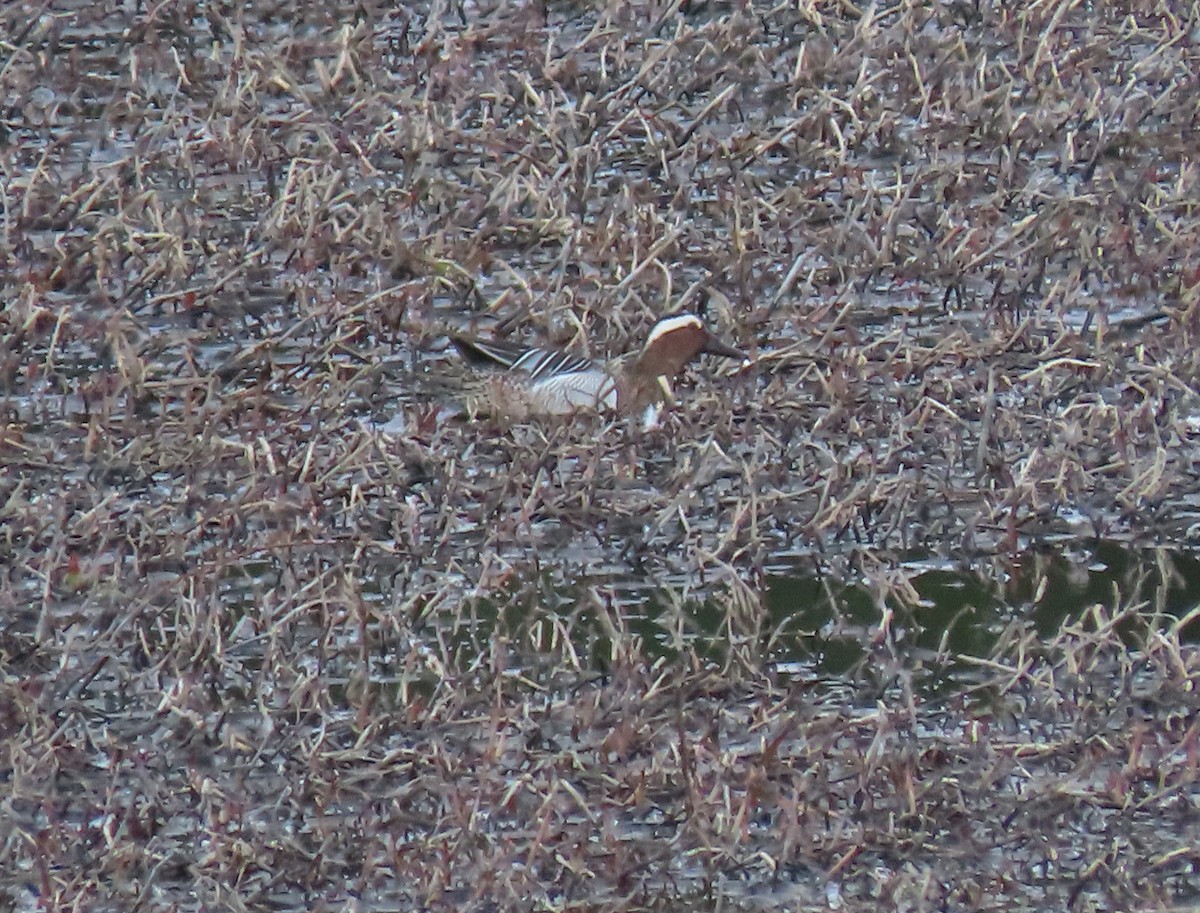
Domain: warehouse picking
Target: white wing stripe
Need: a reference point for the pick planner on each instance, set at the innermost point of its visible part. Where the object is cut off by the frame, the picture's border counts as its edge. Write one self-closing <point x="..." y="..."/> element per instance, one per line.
<point x="545" y="364"/>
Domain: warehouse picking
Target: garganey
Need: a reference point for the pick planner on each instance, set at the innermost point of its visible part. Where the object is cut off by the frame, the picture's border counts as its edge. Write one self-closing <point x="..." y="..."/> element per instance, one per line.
<point x="541" y="382"/>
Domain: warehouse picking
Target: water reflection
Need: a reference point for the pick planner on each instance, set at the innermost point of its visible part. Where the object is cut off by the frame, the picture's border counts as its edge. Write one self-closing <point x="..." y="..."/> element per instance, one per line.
<point x="961" y="612"/>
<point x="812" y="624"/>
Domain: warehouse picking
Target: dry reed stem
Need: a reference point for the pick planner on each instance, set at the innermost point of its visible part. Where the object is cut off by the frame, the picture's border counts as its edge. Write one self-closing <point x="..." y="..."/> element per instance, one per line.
<point x="255" y="651"/>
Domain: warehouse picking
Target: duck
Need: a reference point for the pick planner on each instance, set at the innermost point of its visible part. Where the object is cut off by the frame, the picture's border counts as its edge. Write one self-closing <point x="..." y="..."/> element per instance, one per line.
<point x="531" y="382"/>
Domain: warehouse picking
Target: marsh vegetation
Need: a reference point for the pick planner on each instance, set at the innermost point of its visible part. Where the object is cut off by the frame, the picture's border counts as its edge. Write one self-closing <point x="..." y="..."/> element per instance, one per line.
<point x="277" y="634"/>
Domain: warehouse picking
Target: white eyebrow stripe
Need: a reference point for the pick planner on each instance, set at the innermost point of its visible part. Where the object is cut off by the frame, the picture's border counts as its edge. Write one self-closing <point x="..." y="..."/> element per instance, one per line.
<point x="671" y="324"/>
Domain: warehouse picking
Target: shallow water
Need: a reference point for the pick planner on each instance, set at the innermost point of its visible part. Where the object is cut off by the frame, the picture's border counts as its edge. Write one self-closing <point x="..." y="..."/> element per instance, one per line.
<point x="884" y="621"/>
<point x="940" y="615"/>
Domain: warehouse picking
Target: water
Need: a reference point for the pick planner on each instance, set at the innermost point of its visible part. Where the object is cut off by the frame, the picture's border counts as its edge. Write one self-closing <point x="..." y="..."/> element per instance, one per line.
<point x="935" y="614"/>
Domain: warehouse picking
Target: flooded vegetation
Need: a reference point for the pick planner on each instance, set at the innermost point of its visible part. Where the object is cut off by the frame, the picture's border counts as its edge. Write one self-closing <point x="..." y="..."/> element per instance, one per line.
<point x="899" y="616"/>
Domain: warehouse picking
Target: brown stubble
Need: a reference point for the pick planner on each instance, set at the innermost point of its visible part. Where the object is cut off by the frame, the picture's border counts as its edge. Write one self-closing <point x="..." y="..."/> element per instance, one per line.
<point x="253" y="647"/>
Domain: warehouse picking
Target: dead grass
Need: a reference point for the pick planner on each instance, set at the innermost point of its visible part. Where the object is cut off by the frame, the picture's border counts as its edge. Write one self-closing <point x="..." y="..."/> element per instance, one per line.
<point x="251" y="653"/>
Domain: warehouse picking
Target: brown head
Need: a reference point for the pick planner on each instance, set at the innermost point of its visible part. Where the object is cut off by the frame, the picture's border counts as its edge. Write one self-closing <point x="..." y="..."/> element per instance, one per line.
<point x="675" y="341"/>
<point x="672" y="343"/>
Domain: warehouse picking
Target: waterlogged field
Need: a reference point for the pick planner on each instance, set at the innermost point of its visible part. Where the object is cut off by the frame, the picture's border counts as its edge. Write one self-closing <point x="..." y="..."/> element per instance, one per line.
<point x="899" y="616"/>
